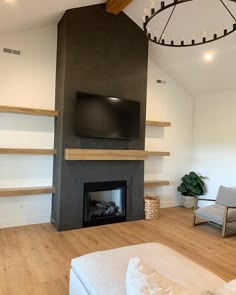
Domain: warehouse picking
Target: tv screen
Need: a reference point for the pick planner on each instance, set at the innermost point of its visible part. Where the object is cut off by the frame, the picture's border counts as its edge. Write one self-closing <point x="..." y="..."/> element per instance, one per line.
<point x="106" y="117"/>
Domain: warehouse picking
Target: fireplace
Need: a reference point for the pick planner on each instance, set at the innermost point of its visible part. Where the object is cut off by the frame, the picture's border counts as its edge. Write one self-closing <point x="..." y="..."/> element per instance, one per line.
<point x="104" y="202"/>
<point x="79" y="52"/>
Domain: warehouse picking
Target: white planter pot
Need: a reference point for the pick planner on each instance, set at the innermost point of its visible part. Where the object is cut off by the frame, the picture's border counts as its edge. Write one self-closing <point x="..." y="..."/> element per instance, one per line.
<point x="188" y="202"/>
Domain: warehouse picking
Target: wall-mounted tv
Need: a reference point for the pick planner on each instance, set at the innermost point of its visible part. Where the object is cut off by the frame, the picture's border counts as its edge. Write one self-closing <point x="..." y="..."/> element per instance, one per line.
<point x="106" y="117"/>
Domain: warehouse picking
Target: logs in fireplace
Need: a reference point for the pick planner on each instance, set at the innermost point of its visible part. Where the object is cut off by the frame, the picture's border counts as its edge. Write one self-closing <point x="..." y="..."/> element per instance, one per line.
<point x="104" y="202"/>
<point x="103" y="208"/>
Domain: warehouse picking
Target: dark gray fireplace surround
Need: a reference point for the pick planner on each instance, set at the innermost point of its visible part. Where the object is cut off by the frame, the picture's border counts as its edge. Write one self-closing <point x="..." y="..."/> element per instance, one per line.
<point x="102" y="54"/>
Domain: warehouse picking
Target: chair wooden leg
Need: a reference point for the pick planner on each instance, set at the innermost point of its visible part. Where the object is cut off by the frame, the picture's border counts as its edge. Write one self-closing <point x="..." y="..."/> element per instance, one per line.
<point x="200" y="223"/>
<point x="194" y="209"/>
<point x="224" y="223"/>
<point x="195" y="223"/>
<point x="194" y="219"/>
<point x="225" y="232"/>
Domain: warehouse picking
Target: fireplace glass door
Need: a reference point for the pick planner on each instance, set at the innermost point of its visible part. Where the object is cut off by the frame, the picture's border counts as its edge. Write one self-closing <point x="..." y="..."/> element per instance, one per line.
<point x="104" y="202"/>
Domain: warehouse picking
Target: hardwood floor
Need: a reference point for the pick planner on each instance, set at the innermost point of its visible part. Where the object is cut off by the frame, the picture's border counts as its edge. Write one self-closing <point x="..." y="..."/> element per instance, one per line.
<point x="36" y="259"/>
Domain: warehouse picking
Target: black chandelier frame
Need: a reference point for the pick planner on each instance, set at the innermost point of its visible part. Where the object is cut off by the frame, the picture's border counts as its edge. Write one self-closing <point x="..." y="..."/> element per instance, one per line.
<point x="173" y="5"/>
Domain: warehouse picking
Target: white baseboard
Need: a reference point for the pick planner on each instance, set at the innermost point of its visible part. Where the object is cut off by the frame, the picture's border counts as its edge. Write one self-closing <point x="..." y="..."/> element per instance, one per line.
<point x="23" y="220"/>
<point x="169" y="204"/>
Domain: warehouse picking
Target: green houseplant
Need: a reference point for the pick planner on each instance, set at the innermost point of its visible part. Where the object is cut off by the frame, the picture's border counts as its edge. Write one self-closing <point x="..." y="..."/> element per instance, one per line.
<point x="192" y="185"/>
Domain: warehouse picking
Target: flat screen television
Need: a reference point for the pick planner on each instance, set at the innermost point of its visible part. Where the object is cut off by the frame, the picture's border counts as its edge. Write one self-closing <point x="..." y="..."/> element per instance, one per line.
<point x="106" y="117"/>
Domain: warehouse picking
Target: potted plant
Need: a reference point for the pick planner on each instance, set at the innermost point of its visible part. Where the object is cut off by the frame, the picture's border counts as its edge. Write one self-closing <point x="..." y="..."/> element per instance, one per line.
<point x="192" y="186"/>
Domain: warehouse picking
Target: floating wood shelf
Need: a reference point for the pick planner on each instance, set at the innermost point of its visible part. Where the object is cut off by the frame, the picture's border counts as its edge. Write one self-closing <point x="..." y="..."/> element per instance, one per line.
<point x="158" y="154"/>
<point x="158" y="124"/>
<point x="11" y="192"/>
<point x="156" y="183"/>
<point x="27" y="151"/>
<point x="110" y="155"/>
<point x="28" y="111"/>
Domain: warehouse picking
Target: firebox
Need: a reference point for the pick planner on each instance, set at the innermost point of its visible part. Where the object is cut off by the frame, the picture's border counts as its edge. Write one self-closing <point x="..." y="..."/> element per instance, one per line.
<point x="104" y="202"/>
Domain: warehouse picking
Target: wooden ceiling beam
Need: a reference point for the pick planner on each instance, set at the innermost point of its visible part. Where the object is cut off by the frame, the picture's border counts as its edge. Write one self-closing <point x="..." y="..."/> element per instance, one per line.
<point x="116" y="6"/>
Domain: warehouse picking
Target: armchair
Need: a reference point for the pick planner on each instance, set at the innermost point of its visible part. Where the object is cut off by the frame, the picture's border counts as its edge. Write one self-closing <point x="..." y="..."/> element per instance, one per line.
<point x="222" y="212"/>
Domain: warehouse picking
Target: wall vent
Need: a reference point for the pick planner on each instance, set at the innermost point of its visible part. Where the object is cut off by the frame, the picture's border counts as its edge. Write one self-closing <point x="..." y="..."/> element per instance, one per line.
<point x="161" y="82"/>
<point x="11" y="51"/>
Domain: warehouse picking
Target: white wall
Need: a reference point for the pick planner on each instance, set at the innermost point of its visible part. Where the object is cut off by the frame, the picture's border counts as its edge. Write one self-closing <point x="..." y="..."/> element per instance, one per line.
<point x="168" y="102"/>
<point x="215" y="139"/>
<point x="28" y="81"/>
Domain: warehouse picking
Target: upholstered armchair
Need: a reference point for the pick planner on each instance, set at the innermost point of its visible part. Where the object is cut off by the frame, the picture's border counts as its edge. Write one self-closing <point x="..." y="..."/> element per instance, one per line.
<point x="222" y="213"/>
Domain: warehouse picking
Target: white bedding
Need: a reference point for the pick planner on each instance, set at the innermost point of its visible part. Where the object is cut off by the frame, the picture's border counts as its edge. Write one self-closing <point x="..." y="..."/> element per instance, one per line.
<point x="103" y="273"/>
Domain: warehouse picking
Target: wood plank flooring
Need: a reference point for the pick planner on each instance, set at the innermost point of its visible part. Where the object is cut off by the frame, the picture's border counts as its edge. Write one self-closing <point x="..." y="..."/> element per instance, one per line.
<point x="36" y="259"/>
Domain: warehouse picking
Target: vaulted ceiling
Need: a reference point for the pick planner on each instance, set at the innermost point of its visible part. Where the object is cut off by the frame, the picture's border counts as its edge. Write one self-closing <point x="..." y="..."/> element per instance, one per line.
<point x="18" y="15"/>
<point x="186" y="65"/>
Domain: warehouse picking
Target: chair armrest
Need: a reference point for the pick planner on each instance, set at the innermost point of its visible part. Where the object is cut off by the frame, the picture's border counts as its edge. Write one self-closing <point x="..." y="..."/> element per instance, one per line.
<point x="201" y="199"/>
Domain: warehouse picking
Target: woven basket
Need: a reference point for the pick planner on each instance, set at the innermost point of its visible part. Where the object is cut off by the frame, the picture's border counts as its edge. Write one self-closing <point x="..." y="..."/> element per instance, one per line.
<point x="152" y="207"/>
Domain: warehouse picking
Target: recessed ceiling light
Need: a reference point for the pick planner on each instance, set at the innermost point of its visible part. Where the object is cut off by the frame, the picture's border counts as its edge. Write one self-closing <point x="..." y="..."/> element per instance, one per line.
<point x="208" y="56"/>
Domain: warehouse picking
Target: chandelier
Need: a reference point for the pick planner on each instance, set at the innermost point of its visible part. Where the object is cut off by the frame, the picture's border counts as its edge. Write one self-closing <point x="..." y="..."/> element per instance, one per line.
<point x="151" y="13"/>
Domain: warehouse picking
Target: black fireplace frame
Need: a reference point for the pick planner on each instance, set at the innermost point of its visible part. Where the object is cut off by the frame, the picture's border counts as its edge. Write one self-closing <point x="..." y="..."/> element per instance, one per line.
<point x="104" y="186"/>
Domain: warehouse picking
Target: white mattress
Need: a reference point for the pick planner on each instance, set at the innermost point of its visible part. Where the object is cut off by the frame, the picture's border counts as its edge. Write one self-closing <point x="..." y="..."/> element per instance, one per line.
<point x="104" y="272"/>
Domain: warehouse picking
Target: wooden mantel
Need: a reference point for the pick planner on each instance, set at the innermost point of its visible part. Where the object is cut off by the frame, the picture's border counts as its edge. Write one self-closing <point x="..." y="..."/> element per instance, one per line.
<point x="73" y="154"/>
<point x="116" y="6"/>
<point x="109" y="155"/>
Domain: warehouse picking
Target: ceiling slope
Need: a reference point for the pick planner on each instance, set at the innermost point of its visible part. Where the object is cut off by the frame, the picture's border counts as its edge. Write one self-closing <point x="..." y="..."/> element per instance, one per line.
<point x="186" y="65"/>
<point x="183" y="64"/>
